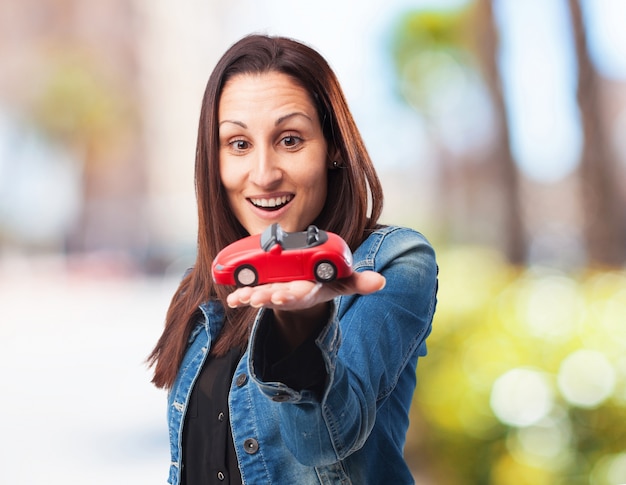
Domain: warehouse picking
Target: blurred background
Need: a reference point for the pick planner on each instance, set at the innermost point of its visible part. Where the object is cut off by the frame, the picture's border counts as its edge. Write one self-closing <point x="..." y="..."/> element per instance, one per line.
<point x="498" y="129"/>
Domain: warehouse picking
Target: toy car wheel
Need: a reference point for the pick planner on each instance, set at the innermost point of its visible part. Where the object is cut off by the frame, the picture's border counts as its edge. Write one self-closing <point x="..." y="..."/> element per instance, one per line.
<point x="246" y="276"/>
<point x="325" y="271"/>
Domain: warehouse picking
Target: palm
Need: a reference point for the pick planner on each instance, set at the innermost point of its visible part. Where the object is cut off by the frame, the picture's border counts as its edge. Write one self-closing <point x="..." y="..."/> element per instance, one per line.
<point x="300" y="295"/>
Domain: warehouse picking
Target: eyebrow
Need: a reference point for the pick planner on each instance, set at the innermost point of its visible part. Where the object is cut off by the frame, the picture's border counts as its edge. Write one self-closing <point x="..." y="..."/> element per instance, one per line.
<point x="235" y="122"/>
<point x="278" y="121"/>
<point x="291" y="115"/>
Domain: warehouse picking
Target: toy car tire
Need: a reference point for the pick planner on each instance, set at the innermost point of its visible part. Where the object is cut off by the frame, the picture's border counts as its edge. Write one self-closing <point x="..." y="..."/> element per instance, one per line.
<point x="246" y="275"/>
<point x="325" y="271"/>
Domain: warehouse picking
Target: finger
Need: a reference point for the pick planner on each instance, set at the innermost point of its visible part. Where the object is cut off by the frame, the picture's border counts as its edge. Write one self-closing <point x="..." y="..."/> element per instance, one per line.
<point x="369" y="282"/>
<point x="296" y="294"/>
<point x="362" y="283"/>
<point x="282" y="298"/>
<point x="261" y="296"/>
<point x="238" y="297"/>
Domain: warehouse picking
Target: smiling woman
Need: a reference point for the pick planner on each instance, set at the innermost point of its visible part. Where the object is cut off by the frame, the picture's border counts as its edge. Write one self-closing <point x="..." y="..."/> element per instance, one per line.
<point x="307" y="379"/>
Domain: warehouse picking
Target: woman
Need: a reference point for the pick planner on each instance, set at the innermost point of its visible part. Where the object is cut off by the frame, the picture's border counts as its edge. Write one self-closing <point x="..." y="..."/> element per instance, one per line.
<point x="292" y="383"/>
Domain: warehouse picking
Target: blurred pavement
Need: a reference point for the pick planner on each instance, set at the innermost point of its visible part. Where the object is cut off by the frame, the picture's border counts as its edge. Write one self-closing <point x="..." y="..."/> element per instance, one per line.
<point x="77" y="404"/>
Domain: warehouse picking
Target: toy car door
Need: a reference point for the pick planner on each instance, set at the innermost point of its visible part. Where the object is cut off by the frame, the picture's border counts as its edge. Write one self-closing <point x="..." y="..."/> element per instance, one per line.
<point x="284" y="264"/>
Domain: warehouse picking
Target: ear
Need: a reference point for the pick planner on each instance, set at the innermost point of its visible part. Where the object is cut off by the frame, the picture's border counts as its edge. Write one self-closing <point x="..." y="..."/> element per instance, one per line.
<point x="334" y="159"/>
<point x="334" y="154"/>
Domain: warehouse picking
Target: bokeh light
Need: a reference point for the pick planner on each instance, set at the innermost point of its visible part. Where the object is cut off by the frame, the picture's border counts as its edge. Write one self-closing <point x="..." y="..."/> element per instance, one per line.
<point x="586" y="378"/>
<point x="522" y="397"/>
<point x="610" y="470"/>
<point x="551" y="307"/>
<point x="544" y="444"/>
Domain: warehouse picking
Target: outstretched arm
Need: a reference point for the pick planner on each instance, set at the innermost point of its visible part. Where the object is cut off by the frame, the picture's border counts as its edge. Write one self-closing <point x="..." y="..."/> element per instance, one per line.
<point x="301" y="308"/>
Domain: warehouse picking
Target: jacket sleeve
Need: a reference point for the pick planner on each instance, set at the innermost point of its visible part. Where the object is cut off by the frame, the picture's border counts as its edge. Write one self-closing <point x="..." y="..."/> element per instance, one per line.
<point x="366" y="345"/>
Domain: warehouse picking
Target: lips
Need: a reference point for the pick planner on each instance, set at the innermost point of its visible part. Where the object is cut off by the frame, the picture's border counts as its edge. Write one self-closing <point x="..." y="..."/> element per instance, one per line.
<point x="271" y="203"/>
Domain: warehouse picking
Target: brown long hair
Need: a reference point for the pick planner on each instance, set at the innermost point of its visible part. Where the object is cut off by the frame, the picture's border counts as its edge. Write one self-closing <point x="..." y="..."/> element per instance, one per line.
<point x="351" y="189"/>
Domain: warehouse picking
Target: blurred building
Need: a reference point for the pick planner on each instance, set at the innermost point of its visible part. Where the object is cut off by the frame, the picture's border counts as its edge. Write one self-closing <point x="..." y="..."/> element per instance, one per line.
<point x="102" y="99"/>
<point x="71" y="75"/>
<point x="109" y="92"/>
<point x="178" y="45"/>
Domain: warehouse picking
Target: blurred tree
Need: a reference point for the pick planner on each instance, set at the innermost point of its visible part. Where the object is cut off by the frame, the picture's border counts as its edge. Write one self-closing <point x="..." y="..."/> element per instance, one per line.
<point x="430" y="48"/>
<point x="77" y="106"/>
<point x="501" y="161"/>
<point x="605" y="218"/>
<point x="516" y="389"/>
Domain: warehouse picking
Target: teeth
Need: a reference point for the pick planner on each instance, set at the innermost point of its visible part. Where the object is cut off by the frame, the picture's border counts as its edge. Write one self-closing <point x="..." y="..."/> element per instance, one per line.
<point x="272" y="202"/>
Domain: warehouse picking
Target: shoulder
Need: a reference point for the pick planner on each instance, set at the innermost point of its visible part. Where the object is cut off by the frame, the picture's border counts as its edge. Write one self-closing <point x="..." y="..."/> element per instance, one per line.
<point x="388" y="243"/>
<point x="394" y="233"/>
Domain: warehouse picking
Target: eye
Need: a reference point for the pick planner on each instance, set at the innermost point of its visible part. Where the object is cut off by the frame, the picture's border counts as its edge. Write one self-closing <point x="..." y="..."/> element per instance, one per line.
<point x="239" y="145"/>
<point x="291" y="141"/>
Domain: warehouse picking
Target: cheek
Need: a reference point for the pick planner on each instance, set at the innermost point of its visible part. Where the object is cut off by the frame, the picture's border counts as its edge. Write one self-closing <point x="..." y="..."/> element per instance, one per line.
<point x="314" y="174"/>
<point x="230" y="177"/>
<point x="317" y="185"/>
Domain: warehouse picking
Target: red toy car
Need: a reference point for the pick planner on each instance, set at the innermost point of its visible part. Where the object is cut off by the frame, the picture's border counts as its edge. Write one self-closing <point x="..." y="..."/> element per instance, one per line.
<point x="276" y="255"/>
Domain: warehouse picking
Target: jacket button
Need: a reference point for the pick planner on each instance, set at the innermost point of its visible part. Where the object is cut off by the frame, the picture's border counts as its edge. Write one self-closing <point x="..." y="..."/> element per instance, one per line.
<point x="280" y="397"/>
<point x="220" y="476"/>
<point x="251" y="446"/>
<point x="241" y="380"/>
<point x="221" y="416"/>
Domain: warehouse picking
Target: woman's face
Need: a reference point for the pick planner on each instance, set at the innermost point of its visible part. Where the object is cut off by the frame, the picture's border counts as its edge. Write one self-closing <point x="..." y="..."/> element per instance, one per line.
<point x="273" y="155"/>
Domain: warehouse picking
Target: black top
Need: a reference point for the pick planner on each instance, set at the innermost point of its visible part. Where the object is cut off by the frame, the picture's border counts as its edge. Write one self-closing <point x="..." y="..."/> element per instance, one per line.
<point x="208" y="451"/>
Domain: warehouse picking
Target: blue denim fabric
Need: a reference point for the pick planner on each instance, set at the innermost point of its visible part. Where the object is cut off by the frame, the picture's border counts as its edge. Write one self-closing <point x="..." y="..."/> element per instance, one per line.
<point x="371" y="345"/>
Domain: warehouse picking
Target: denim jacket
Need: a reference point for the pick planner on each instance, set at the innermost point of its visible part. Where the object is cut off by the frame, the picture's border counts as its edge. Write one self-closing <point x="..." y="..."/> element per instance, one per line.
<point x="370" y="346"/>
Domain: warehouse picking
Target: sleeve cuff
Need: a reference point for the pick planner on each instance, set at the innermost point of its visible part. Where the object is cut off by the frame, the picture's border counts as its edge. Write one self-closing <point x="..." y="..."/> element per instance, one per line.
<point x="303" y="370"/>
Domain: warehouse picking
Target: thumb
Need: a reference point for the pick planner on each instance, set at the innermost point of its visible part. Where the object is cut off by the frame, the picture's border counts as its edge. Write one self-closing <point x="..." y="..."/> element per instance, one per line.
<point x="369" y="282"/>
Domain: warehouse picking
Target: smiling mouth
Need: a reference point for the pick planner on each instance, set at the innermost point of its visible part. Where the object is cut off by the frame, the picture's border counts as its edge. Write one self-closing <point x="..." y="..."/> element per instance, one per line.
<point x="271" y="203"/>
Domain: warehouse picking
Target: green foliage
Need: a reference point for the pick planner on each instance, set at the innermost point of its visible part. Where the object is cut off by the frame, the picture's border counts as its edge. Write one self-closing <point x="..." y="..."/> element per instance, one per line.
<point x="77" y="105"/>
<point x="427" y="30"/>
<point x="525" y="381"/>
<point x="429" y="48"/>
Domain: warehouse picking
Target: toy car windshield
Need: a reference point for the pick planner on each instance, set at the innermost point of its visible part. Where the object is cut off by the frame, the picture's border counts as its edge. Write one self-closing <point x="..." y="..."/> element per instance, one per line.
<point x="292" y="240"/>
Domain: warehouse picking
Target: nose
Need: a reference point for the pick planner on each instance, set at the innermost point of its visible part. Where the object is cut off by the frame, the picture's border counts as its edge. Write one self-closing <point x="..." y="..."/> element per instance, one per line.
<point x="265" y="171"/>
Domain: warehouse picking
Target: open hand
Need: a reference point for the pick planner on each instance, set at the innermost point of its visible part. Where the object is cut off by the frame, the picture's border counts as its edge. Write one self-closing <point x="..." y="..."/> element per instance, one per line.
<point x="300" y="295"/>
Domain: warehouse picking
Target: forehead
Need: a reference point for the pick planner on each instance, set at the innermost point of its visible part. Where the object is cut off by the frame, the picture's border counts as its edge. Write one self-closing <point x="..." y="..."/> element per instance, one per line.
<point x="268" y="91"/>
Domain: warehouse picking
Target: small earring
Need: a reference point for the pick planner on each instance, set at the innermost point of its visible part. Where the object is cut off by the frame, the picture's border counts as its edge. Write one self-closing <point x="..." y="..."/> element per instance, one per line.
<point x="336" y="165"/>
